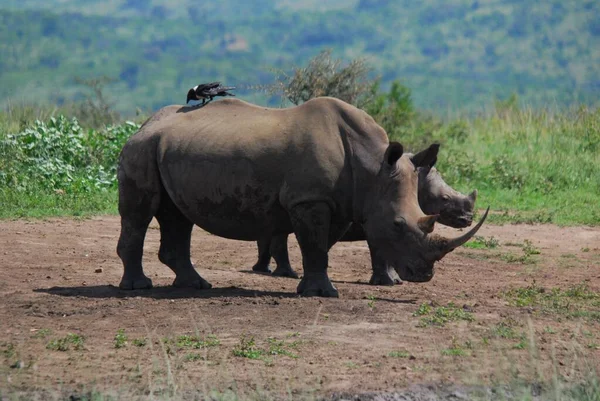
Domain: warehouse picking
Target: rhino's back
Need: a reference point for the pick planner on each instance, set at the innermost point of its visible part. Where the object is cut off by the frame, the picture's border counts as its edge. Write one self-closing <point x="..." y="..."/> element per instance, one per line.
<point x="232" y="168"/>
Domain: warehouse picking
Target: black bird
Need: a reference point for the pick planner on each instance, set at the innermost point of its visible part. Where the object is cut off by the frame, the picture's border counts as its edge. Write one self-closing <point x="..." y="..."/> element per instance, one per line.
<point x="210" y="90"/>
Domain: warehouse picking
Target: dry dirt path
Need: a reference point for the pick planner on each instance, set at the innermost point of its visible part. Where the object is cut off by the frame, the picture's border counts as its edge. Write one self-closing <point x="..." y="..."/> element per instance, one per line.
<point x="59" y="276"/>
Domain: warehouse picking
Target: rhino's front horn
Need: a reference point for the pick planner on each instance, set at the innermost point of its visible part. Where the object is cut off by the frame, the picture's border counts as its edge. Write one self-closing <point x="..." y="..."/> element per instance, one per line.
<point x="473" y="196"/>
<point x="448" y="245"/>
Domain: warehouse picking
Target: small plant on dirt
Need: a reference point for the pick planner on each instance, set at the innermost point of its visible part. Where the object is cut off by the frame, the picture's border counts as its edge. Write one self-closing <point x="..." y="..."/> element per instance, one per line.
<point x="192" y="357"/>
<point x="424" y="309"/>
<point x="549" y="330"/>
<point x="455" y="350"/>
<point x="42" y="333"/>
<point x="196" y="342"/>
<point x="278" y="347"/>
<point x="504" y="330"/>
<point x="441" y="315"/>
<point x="529" y="249"/>
<point x="522" y="344"/>
<point x="480" y="242"/>
<point x="247" y="349"/>
<point x="399" y="354"/>
<point x="120" y="339"/>
<point x="65" y="343"/>
<point x="139" y="342"/>
<point x="371" y="303"/>
<point x="8" y="350"/>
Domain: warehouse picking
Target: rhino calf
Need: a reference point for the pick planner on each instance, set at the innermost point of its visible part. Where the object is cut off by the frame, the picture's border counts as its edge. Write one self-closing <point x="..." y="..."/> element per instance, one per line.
<point x="435" y="196"/>
<point x="246" y="172"/>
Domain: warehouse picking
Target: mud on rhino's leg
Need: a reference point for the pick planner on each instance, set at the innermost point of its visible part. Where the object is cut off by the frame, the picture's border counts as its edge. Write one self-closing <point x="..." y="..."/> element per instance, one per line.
<point x="264" y="256"/>
<point x="279" y="251"/>
<point x="175" y="241"/>
<point x="382" y="273"/>
<point x="136" y="208"/>
<point x="311" y="225"/>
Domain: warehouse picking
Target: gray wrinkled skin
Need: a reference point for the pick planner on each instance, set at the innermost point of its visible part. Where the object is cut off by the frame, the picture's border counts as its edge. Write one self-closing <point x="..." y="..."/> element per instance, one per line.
<point x="246" y="172"/>
<point x="435" y="196"/>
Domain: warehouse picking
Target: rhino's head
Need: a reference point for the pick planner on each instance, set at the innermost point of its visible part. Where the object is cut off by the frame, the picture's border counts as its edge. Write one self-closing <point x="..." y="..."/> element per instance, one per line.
<point x="437" y="197"/>
<point x="396" y="227"/>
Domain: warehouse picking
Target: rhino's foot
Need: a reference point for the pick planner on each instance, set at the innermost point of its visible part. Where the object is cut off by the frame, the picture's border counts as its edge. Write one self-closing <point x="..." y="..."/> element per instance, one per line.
<point x="261" y="268"/>
<point x="193" y="281"/>
<point x="138" y="283"/>
<point x="385" y="277"/>
<point x="285" y="271"/>
<point x="317" y="287"/>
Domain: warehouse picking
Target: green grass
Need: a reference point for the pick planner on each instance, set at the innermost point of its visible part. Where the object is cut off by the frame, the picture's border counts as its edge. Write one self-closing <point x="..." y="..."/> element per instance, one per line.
<point x="576" y="301"/>
<point x="65" y="343"/>
<point x="480" y="242"/>
<point x="530" y="166"/>
<point x="439" y="316"/>
<point x="247" y="348"/>
<point x="399" y="354"/>
<point x="196" y="342"/>
<point x="120" y="340"/>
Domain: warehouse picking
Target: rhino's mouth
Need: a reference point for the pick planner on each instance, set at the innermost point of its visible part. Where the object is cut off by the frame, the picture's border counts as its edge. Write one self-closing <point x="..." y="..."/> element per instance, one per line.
<point x="411" y="274"/>
<point x="456" y="220"/>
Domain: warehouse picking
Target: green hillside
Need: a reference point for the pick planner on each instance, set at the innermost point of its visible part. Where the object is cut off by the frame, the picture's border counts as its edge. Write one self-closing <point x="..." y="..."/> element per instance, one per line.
<point x="458" y="54"/>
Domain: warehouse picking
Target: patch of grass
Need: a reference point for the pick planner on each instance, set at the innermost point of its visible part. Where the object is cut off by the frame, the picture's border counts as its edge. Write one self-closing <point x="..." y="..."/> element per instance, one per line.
<point x="399" y="354"/>
<point x="247" y="348"/>
<point x="42" y="333"/>
<point x="480" y="242"/>
<point x="441" y="315"/>
<point x="193" y="357"/>
<point x="187" y="341"/>
<point x="139" y="342"/>
<point x="120" y="340"/>
<point x="279" y="347"/>
<point x="504" y="330"/>
<point x="371" y="303"/>
<point x="577" y="301"/>
<point x="65" y="343"/>
<point x="8" y="350"/>
<point x="454" y="352"/>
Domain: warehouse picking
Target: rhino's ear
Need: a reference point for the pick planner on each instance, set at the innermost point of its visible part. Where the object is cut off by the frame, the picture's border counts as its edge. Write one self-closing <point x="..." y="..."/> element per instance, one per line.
<point x="427" y="157"/>
<point x="393" y="153"/>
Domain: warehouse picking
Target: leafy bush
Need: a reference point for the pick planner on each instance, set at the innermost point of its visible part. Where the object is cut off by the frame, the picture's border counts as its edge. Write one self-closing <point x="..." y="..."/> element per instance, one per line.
<point x="59" y="155"/>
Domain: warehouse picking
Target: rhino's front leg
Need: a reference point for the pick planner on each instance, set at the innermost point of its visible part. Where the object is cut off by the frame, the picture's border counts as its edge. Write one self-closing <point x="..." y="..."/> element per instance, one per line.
<point x="264" y="256"/>
<point x="382" y="273"/>
<point x="279" y="251"/>
<point x="311" y="223"/>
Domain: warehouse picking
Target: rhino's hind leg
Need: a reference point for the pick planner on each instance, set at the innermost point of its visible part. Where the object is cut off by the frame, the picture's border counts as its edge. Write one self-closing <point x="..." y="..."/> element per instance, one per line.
<point x="136" y="208"/>
<point x="264" y="256"/>
<point x="311" y="225"/>
<point x="279" y="251"/>
<point x="175" y="241"/>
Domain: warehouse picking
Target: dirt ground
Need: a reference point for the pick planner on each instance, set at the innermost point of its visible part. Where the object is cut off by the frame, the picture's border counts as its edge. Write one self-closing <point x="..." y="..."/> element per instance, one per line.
<point x="59" y="276"/>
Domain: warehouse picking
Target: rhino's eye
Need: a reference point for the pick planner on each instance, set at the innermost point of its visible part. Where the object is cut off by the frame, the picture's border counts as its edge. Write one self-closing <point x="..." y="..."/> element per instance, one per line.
<point x="400" y="223"/>
<point x="446" y="197"/>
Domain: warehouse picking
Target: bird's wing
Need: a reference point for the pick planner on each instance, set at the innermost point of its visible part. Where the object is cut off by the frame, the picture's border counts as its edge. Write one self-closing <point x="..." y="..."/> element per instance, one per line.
<point x="208" y="86"/>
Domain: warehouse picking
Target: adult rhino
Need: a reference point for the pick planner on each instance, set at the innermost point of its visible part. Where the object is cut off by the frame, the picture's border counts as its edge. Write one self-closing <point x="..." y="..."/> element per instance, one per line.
<point x="435" y="197"/>
<point x="246" y="172"/>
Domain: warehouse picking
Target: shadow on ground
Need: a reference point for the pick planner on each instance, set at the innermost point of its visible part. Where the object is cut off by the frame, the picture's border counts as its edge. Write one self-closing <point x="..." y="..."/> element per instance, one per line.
<point x="166" y="292"/>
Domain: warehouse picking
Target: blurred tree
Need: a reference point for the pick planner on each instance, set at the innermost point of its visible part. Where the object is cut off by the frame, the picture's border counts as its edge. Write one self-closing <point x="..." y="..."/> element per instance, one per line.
<point x="325" y="76"/>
